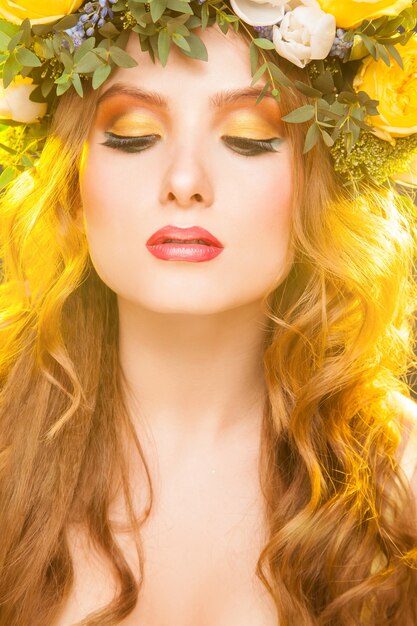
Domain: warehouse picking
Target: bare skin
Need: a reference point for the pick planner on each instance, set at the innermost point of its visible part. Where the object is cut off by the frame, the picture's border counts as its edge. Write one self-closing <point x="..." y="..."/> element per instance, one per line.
<point x="201" y="545"/>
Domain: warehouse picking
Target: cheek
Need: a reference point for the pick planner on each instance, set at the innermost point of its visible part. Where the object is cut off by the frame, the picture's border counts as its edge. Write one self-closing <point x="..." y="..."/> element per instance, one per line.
<point x="111" y="203"/>
<point x="267" y="233"/>
<point x="106" y="220"/>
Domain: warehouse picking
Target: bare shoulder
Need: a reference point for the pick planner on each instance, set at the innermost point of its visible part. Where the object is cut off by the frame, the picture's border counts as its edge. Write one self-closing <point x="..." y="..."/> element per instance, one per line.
<point x="407" y="453"/>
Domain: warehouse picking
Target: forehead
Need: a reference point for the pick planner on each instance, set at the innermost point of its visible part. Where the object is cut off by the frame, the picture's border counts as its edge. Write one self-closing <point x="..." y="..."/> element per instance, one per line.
<point x="227" y="67"/>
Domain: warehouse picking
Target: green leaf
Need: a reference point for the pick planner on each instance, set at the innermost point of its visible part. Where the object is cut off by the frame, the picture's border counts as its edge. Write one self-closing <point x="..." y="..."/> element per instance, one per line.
<point x="369" y="44"/>
<point x="121" y="41"/>
<point x="326" y="138"/>
<point x="164" y="44"/>
<point x="307" y="90"/>
<point x="57" y="41"/>
<point x="347" y="97"/>
<point x="89" y="63"/>
<point x="395" y="55"/>
<point x="76" y="81"/>
<point x="26" y="29"/>
<point x="109" y="30"/>
<point x="279" y="75"/>
<point x="11" y="68"/>
<point x="152" y="43"/>
<point x="63" y="87"/>
<point x="204" y="16"/>
<point x="198" y="49"/>
<point x="329" y="114"/>
<point x="4" y="41"/>
<point x="180" y="5"/>
<point x="102" y="52"/>
<point x="85" y="47"/>
<point x="263" y="91"/>
<point x="63" y="79"/>
<point x="138" y="11"/>
<point x="258" y="73"/>
<point x="360" y="123"/>
<point x="7" y="176"/>
<point x="47" y="86"/>
<point x="382" y="52"/>
<point x="121" y="58"/>
<point x="181" y="42"/>
<point x="302" y="114"/>
<point x="264" y="43"/>
<point x="173" y="26"/>
<point x="100" y="75"/>
<point x="43" y="50"/>
<point x="27" y="57"/>
<point x="254" y="57"/>
<point x="356" y="131"/>
<point x="157" y="8"/>
<point x="223" y="25"/>
<point x="41" y="29"/>
<point x="67" y="60"/>
<point x="15" y="40"/>
<point x="67" y="22"/>
<point x="311" y="139"/>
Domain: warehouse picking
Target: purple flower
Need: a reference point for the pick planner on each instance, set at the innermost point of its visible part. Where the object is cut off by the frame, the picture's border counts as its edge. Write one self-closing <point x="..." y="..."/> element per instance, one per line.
<point x="77" y="35"/>
<point x="264" y="31"/>
<point x="340" y="47"/>
<point x="94" y="14"/>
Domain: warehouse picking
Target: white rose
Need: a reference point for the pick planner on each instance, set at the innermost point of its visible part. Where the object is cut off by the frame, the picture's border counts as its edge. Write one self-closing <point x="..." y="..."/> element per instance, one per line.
<point x="304" y="34"/>
<point x="259" y="12"/>
<point x="15" y="104"/>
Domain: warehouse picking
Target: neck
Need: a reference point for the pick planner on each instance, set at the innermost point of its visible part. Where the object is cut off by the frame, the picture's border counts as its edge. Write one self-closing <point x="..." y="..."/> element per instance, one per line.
<point x="194" y="377"/>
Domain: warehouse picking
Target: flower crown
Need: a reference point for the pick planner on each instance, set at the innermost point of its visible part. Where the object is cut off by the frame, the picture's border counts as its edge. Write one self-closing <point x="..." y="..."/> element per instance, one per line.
<point x="360" y="57"/>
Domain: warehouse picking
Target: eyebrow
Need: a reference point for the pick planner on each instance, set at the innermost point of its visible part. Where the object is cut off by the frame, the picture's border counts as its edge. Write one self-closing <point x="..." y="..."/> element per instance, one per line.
<point x="217" y="100"/>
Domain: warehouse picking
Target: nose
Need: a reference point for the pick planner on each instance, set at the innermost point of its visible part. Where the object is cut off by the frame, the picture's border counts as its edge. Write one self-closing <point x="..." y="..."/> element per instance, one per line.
<point x="186" y="182"/>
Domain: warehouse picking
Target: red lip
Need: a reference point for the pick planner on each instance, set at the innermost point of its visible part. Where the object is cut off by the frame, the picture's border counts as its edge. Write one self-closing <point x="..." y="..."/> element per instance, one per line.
<point x="184" y="235"/>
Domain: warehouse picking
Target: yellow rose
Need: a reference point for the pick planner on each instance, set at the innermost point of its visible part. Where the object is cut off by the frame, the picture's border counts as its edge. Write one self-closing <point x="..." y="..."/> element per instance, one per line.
<point x="39" y="12"/>
<point x="15" y="104"/>
<point x="351" y="12"/>
<point x="396" y="90"/>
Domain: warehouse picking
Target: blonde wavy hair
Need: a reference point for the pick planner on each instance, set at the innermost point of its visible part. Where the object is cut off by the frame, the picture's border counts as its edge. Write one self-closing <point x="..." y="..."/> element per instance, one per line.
<point x="341" y="547"/>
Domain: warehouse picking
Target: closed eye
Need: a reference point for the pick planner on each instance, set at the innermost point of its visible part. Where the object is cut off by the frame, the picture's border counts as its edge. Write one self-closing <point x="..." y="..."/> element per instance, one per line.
<point x="129" y="144"/>
<point x="251" y="147"/>
<point x="242" y="145"/>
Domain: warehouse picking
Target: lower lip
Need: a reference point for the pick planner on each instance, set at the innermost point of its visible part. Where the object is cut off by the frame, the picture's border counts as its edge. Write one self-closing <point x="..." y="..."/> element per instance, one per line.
<point x="192" y="252"/>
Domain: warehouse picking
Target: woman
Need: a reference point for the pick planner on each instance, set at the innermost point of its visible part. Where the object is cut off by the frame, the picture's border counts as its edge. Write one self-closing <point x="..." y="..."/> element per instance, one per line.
<point x="213" y="432"/>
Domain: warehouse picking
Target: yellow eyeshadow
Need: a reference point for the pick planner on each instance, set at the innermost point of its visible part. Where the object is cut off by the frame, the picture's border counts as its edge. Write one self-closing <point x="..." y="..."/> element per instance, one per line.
<point x="134" y="125"/>
<point x="251" y="127"/>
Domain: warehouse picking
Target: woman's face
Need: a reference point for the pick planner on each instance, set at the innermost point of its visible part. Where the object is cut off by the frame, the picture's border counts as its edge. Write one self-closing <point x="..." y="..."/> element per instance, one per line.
<point x="187" y="173"/>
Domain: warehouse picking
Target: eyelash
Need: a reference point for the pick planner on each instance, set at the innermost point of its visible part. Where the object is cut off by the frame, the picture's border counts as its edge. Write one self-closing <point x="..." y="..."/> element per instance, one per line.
<point x="253" y="147"/>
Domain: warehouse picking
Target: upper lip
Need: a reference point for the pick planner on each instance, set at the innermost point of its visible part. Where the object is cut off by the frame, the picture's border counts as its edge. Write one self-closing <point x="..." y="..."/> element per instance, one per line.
<point x="183" y="234"/>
